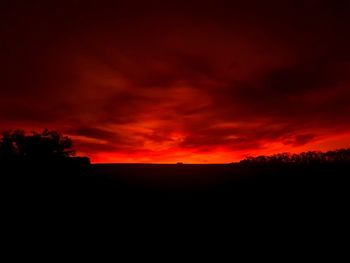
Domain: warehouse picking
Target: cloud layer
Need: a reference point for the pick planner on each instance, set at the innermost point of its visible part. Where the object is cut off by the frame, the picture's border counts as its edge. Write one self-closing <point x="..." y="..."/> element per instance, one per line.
<point x="145" y="81"/>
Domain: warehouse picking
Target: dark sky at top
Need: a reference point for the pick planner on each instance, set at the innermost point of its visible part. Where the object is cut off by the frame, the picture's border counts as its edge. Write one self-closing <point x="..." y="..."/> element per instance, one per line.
<point x="167" y="81"/>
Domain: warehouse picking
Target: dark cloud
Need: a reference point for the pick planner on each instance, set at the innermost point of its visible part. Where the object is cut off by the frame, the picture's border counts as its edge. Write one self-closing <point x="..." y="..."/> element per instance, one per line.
<point x="303" y="139"/>
<point x="95" y="133"/>
<point x="197" y="80"/>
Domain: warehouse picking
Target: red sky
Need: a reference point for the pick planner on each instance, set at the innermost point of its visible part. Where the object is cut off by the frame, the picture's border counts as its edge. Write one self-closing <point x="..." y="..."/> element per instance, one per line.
<point x="190" y="81"/>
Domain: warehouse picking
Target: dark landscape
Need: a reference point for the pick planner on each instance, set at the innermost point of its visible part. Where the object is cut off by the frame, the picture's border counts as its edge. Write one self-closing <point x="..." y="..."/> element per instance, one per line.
<point x="118" y="106"/>
<point x="42" y="165"/>
<point x="128" y="121"/>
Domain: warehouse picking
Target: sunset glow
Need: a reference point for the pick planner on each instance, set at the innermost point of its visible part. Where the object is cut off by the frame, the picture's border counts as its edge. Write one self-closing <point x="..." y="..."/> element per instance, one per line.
<point x="192" y="82"/>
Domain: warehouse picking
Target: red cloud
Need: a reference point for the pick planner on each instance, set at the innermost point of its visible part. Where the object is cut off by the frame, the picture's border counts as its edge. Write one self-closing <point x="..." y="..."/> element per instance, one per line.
<point x="192" y="82"/>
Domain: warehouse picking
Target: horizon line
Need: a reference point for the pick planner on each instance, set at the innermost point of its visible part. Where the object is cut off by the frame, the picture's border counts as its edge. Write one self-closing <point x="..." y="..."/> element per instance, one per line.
<point x="179" y="163"/>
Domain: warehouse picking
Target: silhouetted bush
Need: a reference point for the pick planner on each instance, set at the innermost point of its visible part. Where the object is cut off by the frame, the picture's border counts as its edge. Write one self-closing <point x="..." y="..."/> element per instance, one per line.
<point x="311" y="157"/>
<point x="34" y="159"/>
<point x="48" y="144"/>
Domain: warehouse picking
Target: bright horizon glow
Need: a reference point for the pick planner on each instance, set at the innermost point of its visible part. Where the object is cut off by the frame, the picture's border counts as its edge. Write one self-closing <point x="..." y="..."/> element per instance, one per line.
<point x="220" y="156"/>
<point x="192" y="82"/>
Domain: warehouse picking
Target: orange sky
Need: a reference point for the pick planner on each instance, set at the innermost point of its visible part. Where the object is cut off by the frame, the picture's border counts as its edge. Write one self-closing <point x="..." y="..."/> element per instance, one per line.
<point x="191" y="81"/>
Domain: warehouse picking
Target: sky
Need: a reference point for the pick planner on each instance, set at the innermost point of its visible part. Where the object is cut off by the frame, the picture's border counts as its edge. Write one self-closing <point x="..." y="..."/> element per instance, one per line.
<point x="178" y="81"/>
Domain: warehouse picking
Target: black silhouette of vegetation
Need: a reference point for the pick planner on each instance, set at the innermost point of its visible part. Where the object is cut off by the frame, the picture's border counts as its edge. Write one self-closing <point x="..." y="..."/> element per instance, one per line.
<point x="48" y="149"/>
<point x="40" y="161"/>
<point x="46" y="162"/>
<point x="310" y="157"/>
<point x="17" y="145"/>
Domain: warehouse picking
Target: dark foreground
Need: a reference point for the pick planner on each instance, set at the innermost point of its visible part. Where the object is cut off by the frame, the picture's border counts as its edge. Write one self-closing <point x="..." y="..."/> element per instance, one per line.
<point x="135" y="197"/>
<point x="138" y="183"/>
<point x="228" y="183"/>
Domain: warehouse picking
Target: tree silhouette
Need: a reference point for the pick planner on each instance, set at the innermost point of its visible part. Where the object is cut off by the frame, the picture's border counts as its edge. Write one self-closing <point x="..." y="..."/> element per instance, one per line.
<point x="17" y="144"/>
<point x="311" y="157"/>
<point x="7" y="148"/>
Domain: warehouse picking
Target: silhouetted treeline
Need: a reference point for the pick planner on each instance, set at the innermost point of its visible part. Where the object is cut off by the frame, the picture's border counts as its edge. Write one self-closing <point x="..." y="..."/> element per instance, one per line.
<point x="18" y="145"/>
<point x="47" y="154"/>
<point x="45" y="163"/>
<point x="310" y="157"/>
